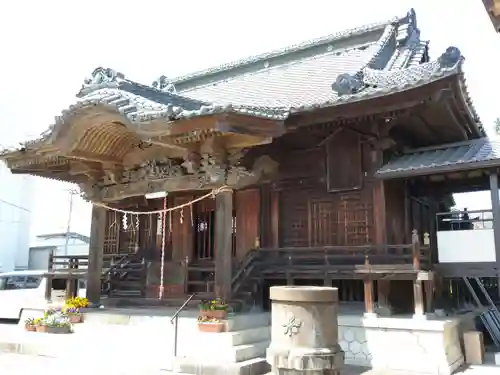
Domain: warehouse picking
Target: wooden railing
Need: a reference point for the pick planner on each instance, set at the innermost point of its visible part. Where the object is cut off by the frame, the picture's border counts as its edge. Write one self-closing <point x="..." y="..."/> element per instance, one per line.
<point x="311" y="262"/>
<point x="409" y="256"/>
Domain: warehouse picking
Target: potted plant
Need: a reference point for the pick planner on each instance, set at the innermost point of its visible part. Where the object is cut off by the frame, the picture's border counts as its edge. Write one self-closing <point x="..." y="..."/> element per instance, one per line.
<point x="78" y="302"/>
<point x="30" y="325"/>
<point x="216" y="308"/>
<point x="213" y="325"/>
<point x="57" y="323"/>
<point x="40" y="325"/>
<point x="73" y="314"/>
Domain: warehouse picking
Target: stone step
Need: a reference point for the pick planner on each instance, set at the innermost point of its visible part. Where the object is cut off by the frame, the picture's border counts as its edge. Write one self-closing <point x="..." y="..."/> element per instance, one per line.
<point x="255" y="366"/>
<point x="230" y="354"/>
<point x="160" y="317"/>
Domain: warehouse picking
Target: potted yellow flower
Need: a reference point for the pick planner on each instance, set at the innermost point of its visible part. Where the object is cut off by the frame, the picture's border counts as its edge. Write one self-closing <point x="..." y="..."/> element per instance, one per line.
<point x="30" y="325"/>
<point x="216" y="308"/>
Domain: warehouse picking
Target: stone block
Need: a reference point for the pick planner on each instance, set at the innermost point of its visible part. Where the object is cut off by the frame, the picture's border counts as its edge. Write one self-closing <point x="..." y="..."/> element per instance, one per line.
<point x="304" y="331"/>
<point x="474" y="347"/>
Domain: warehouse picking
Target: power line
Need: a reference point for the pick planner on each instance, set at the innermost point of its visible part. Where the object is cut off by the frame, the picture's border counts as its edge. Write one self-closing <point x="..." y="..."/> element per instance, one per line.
<point x="15" y="205"/>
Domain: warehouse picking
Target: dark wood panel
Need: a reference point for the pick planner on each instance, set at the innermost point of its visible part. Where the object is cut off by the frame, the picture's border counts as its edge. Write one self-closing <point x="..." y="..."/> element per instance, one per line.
<point x="182" y="232"/>
<point x="247" y="204"/>
<point x="344" y="162"/>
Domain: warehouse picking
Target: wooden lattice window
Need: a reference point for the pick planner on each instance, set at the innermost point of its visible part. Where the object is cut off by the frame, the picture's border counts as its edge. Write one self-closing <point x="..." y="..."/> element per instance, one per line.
<point x="343" y="220"/>
<point x="129" y="234"/>
<point x="323" y="223"/>
<point x="111" y="236"/>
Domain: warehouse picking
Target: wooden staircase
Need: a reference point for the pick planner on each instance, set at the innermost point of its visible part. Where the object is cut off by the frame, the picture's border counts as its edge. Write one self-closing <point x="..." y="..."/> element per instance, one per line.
<point x="124" y="276"/>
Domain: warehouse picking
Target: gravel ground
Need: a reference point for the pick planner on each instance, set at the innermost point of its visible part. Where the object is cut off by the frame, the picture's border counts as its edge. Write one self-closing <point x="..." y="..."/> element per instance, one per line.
<point x="17" y="364"/>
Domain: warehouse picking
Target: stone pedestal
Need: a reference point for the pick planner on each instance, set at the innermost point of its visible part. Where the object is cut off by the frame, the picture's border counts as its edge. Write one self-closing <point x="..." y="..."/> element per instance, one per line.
<point x="304" y="331"/>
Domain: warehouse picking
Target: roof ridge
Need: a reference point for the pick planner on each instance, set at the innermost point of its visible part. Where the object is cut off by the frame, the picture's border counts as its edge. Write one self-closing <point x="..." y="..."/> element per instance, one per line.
<point x="292" y="48"/>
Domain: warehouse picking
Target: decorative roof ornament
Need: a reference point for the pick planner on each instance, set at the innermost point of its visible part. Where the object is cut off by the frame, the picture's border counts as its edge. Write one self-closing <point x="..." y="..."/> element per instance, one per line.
<point x="102" y="75"/>
<point x="450" y="57"/>
<point x="164" y="84"/>
<point x="412" y="18"/>
<point x="347" y="84"/>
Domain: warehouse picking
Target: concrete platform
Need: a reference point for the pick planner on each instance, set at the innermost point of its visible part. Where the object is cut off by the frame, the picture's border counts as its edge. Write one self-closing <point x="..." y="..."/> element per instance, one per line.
<point x="399" y="343"/>
<point x="114" y="334"/>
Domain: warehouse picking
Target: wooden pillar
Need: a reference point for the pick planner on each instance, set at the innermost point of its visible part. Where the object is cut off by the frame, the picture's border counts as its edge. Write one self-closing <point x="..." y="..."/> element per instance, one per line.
<point x="379" y="213"/>
<point x="96" y="250"/>
<point x="418" y="296"/>
<point x="223" y="244"/>
<point x="495" y="209"/>
<point x="418" y="293"/>
<point x="368" y="289"/>
<point x="429" y="295"/>
<point x="380" y="226"/>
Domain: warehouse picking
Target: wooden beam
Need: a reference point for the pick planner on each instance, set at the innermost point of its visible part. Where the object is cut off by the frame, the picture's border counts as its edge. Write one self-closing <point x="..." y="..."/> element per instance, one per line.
<point x="96" y="249"/>
<point x="223" y="244"/>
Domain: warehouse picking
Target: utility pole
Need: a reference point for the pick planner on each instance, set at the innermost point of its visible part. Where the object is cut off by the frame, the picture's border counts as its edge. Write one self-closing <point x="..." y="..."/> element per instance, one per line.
<point x="72" y="192"/>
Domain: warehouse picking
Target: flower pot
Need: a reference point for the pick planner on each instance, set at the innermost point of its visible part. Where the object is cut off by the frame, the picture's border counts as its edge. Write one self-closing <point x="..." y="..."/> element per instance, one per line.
<point x="211" y="327"/>
<point x="75" y="318"/>
<point x="30" y="328"/>
<point x="58" y="330"/>
<point x="42" y="329"/>
<point x="217" y="314"/>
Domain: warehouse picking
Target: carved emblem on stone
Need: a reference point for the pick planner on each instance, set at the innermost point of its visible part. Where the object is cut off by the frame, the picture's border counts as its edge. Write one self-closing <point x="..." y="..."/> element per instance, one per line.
<point x="292" y="326"/>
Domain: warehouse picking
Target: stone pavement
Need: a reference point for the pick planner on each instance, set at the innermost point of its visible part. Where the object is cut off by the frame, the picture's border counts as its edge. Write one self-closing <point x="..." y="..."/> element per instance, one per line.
<point x="18" y="364"/>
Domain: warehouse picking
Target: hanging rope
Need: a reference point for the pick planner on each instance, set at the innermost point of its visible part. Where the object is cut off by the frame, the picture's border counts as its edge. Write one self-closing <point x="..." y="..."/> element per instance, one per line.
<point x="212" y="194"/>
<point x="163" y="239"/>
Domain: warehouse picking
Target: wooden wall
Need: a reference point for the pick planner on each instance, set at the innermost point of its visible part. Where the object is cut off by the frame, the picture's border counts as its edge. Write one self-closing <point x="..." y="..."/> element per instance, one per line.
<point x="324" y="197"/>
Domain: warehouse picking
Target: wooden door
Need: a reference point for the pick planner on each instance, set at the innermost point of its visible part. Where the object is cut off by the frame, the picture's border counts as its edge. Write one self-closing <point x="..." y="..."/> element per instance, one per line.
<point x="247" y="204"/>
<point x="182" y="231"/>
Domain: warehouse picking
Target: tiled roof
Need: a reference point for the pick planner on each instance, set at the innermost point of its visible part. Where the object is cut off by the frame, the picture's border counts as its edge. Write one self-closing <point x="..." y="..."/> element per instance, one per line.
<point x="354" y="65"/>
<point x="304" y="81"/>
<point x="476" y="153"/>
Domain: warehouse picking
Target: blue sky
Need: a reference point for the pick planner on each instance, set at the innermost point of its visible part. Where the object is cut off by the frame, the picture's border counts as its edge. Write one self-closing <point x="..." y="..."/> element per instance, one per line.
<point x="52" y="45"/>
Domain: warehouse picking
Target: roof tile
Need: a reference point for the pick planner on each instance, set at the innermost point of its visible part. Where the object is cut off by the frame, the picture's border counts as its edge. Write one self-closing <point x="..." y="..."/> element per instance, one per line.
<point x="451" y="157"/>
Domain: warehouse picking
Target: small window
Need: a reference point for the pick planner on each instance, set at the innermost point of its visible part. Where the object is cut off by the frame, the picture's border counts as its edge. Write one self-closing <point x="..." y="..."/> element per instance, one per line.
<point x="33" y="282"/>
<point x="12" y="282"/>
<point x="58" y="284"/>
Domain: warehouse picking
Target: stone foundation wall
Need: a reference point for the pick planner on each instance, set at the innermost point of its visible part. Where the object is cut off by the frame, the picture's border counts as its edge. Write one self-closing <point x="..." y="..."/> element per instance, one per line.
<point x="420" y="346"/>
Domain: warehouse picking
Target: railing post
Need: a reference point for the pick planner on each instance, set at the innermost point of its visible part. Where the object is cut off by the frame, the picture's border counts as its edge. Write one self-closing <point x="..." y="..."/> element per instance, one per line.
<point x="69" y="280"/>
<point x="418" y="295"/>
<point x="415" y="246"/>
<point x="176" y="331"/>
<point x="186" y="273"/>
<point x="48" y="285"/>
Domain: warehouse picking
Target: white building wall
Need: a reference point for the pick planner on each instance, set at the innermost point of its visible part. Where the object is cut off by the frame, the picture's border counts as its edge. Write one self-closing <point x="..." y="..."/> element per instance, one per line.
<point x="16" y="202"/>
<point x="75" y="247"/>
